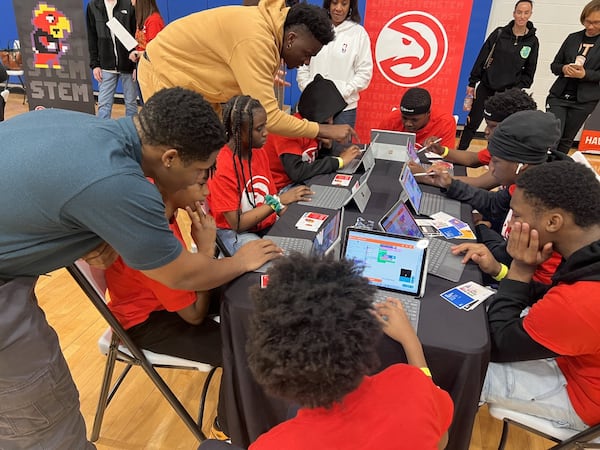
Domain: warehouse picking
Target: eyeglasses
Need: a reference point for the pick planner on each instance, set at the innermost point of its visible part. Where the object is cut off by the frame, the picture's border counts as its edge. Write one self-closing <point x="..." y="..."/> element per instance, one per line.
<point x="595" y="23"/>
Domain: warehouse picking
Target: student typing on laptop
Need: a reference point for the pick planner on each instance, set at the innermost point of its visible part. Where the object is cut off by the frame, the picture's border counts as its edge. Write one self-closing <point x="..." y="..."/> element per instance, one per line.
<point x="293" y="160"/>
<point x="243" y="197"/>
<point x="416" y="115"/>
<point x="315" y="345"/>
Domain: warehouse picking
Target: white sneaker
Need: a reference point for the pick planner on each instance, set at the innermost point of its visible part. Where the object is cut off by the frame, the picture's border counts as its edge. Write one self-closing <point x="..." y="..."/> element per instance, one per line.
<point x="5" y="94"/>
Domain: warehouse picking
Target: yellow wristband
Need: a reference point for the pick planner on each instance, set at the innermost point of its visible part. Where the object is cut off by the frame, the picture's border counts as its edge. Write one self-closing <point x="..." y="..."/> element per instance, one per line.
<point x="341" y="161"/>
<point x="426" y="371"/>
<point x="445" y="153"/>
<point x="502" y="273"/>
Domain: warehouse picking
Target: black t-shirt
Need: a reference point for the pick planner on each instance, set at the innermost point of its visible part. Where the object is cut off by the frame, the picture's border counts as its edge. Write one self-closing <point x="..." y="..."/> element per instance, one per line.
<point x="587" y="43"/>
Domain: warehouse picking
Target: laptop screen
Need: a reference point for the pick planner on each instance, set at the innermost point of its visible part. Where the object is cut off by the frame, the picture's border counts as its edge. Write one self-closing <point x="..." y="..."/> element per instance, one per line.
<point x="399" y="220"/>
<point x="329" y="235"/>
<point x="412" y="151"/>
<point x="411" y="187"/>
<point x="390" y="262"/>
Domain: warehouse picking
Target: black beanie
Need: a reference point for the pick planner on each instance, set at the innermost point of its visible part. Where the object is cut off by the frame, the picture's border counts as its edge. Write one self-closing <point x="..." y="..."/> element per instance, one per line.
<point x="525" y="137"/>
<point x="320" y="100"/>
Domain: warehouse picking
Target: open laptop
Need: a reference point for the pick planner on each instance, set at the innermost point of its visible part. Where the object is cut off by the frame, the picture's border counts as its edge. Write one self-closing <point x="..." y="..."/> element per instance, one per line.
<point x="395" y="265"/>
<point x="366" y="160"/>
<point x="424" y="203"/>
<point x="332" y="197"/>
<point x="393" y="145"/>
<point x="442" y="263"/>
<point x="322" y="244"/>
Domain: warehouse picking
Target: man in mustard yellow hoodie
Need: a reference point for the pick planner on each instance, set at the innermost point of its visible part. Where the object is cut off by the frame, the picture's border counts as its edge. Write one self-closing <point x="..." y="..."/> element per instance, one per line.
<point x="234" y="50"/>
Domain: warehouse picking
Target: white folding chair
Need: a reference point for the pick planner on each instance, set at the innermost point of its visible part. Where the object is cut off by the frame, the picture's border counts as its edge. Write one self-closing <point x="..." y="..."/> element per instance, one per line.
<point x="565" y="438"/>
<point x="116" y="344"/>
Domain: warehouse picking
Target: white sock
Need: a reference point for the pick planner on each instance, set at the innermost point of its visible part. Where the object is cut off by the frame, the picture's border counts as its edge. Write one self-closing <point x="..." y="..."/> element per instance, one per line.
<point x="4" y="94"/>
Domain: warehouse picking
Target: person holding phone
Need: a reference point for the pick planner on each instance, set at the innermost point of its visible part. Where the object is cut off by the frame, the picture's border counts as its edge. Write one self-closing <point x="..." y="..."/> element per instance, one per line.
<point x="575" y="93"/>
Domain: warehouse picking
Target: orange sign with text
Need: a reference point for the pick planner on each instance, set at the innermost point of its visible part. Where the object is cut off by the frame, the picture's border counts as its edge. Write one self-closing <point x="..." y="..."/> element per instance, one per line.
<point x="414" y="43"/>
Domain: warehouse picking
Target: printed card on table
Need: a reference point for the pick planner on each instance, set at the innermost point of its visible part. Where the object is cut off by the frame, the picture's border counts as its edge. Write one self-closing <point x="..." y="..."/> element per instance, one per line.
<point x="467" y="296"/>
<point x="342" y="180"/>
<point x="311" y="221"/>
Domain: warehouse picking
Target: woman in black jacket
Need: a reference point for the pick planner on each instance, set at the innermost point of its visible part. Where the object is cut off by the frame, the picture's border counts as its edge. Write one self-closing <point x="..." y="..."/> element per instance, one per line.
<point x="576" y="91"/>
<point x="507" y="59"/>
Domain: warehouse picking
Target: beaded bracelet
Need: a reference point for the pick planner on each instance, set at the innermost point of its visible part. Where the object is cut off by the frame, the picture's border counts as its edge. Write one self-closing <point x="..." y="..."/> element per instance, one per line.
<point x="274" y="202"/>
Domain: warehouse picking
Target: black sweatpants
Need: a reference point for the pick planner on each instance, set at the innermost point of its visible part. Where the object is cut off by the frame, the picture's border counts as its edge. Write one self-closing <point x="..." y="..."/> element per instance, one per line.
<point x="572" y="115"/>
<point x="482" y="93"/>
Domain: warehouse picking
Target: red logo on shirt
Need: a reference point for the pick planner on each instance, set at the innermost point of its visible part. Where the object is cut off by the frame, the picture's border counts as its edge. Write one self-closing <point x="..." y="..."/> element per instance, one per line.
<point x="411" y="48"/>
<point x="310" y="155"/>
<point x="256" y="188"/>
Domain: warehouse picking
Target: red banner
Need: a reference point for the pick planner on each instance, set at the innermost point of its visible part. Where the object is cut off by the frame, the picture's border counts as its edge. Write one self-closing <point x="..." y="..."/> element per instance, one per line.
<point x="414" y="43"/>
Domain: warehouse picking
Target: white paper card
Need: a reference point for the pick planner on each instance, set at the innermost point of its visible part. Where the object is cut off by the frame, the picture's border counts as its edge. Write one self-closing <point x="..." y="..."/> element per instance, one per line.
<point x="122" y="34"/>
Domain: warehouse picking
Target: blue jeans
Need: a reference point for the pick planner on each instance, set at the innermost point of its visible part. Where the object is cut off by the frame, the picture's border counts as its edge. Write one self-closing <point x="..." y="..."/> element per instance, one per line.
<point x="233" y="241"/>
<point x="534" y="387"/>
<point x="107" y="89"/>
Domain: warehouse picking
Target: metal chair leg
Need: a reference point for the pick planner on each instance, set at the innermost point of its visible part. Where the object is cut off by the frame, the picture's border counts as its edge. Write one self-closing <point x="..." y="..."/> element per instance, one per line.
<point x="504" y="435"/>
<point x="111" y="359"/>
<point x="203" y="396"/>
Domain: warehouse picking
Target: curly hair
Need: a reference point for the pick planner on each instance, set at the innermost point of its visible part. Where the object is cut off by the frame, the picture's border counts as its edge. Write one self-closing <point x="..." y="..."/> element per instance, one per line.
<point x="183" y="120"/>
<point x="313" y="335"/>
<point x="503" y="104"/>
<point x="353" y="13"/>
<point x="552" y="185"/>
<point x="313" y="19"/>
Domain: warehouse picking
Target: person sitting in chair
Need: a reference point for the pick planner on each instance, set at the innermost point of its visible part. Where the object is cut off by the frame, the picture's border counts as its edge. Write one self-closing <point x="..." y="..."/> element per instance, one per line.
<point x="293" y="160"/>
<point x="313" y="341"/>
<point x="416" y="115"/>
<point x="550" y="355"/>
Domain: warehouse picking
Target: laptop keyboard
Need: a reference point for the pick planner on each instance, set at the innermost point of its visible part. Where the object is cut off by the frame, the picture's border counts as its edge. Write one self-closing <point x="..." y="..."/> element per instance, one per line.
<point x="436" y="250"/>
<point x="351" y="166"/>
<point x="290" y="245"/>
<point x="328" y="197"/>
<point x="411" y="306"/>
<point x="431" y="204"/>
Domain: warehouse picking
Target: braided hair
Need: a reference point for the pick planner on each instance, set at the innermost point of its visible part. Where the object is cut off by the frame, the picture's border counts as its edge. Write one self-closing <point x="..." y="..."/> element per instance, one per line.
<point x="238" y="117"/>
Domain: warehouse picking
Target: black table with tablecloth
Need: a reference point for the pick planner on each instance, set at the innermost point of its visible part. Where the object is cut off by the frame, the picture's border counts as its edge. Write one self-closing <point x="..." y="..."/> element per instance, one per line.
<point x="455" y="342"/>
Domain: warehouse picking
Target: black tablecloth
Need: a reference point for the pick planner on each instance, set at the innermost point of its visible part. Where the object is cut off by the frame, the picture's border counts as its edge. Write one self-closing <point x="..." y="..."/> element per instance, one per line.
<point x="455" y="342"/>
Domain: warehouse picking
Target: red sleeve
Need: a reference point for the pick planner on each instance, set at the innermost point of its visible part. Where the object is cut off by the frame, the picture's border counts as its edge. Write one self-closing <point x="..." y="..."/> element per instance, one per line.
<point x="565" y="326"/>
<point x="154" y="23"/>
<point x="445" y="128"/>
<point x="484" y="156"/>
<point x="224" y="192"/>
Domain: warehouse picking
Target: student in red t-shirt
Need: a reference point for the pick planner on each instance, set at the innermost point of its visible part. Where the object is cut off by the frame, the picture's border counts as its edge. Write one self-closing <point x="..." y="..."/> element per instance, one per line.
<point x="549" y="358"/>
<point x="497" y="108"/>
<point x="417" y="116"/>
<point x="313" y="340"/>
<point x="293" y="160"/>
<point x="243" y="196"/>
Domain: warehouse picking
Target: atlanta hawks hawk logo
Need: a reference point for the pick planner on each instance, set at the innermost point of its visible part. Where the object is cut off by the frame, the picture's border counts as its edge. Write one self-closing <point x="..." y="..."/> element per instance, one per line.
<point x="411" y="48"/>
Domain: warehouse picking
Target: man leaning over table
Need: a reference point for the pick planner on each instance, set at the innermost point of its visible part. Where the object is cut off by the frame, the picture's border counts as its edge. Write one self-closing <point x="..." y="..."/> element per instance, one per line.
<point x="78" y="186"/>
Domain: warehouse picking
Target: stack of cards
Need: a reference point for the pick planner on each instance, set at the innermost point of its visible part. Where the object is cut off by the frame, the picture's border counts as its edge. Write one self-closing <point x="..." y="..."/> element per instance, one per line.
<point x="311" y="221"/>
<point x="467" y="296"/>
<point x="451" y="227"/>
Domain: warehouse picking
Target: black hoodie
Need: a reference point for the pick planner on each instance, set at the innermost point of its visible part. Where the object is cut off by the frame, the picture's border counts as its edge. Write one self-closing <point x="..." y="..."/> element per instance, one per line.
<point x="513" y="62"/>
<point x="510" y="341"/>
